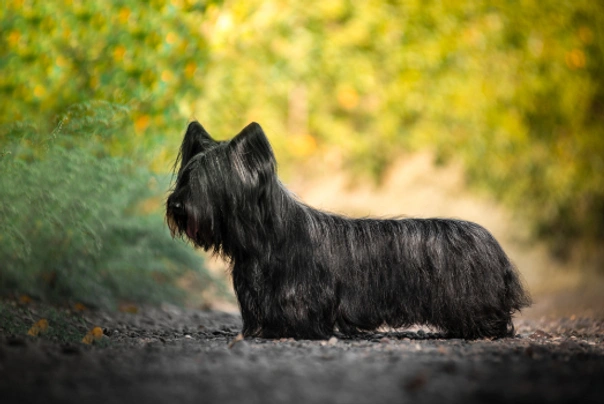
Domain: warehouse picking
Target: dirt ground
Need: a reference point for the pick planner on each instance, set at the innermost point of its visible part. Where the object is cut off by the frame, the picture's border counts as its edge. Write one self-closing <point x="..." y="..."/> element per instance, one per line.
<point x="173" y="355"/>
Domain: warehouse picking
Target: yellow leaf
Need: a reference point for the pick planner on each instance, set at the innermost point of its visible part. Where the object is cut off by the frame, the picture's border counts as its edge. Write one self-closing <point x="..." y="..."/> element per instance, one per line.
<point x="167" y="75"/>
<point x="303" y="145"/>
<point x="141" y="123"/>
<point x="575" y="59"/>
<point x="124" y="15"/>
<point x="347" y="97"/>
<point x="61" y="61"/>
<point x="128" y="308"/>
<point x="39" y="327"/>
<point x="171" y="38"/>
<point x="42" y="324"/>
<point x="190" y="69"/>
<point x="97" y="332"/>
<point x="79" y="307"/>
<point x="119" y="52"/>
<point x="93" y="335"/>
<point x="88" y="339"/>
<point x="39" y="91"/>
<point x="24" y="299"/>
<point x="33" y="331"/>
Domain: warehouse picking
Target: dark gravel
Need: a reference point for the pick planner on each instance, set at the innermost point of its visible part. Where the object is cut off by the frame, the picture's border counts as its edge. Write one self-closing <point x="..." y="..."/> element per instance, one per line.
<point x="171" y="355"/>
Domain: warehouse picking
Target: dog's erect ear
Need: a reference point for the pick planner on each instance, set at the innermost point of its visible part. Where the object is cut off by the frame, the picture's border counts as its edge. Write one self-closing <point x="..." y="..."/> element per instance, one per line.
<point x="251" y="152"/>
<point x="196" y="140"/>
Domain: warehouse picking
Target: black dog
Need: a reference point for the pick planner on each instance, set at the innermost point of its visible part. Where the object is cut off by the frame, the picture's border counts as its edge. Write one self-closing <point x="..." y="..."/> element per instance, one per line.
<point x="300" y="272"/>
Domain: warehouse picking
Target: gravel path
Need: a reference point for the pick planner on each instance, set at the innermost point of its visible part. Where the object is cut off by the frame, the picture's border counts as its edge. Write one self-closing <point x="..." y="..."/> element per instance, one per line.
<point x="170" y="355"/>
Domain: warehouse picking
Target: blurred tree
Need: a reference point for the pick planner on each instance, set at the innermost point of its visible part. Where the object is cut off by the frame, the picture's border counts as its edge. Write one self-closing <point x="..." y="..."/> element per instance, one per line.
<point x="513" y="89"/>
<point x="55" y="53"/>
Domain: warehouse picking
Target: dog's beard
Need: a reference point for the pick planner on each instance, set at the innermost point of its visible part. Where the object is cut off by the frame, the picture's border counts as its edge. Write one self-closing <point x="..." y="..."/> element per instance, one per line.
<point x="173" y="225"/>
<point x="182" y="225"/>
<point x="191" y="229"/>
<point x="187" y="226"/>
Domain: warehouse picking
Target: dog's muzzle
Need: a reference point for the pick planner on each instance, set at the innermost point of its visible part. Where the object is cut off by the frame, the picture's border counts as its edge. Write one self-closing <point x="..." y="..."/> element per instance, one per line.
<point x="176" y="208"/>
<point x="176" y="216"/>
<point x="180" y="221"/>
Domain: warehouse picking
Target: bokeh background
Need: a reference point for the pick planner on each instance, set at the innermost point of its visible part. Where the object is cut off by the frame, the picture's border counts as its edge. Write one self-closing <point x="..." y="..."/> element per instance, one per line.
<point x="491" y="111"/>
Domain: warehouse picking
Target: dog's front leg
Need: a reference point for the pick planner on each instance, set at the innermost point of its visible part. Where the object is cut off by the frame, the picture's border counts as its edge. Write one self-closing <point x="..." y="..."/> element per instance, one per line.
<point x="244" y="283"/>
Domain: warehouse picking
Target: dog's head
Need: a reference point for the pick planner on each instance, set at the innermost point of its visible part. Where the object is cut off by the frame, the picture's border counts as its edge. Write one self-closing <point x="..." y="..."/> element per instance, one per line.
<point x="217" y="181"/>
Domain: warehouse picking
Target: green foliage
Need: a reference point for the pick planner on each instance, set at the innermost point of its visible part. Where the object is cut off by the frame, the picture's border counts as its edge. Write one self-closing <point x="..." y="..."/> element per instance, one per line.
<point x="513" y="89"/>
<point x="10" y="321"/>
<point x="70" y="217"/>
<point x="57" y="53"/>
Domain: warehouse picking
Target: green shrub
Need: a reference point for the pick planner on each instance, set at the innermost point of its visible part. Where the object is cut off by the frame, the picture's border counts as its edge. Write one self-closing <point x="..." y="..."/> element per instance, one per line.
<point x="70" y="221"/>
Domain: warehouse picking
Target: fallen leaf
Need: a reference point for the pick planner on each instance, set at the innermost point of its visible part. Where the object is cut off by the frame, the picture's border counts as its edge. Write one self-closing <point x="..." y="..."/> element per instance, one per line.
<point x="43" y="324"/>
<point x="79" y="307"/>
<point x="128" y="308"/>
<point x="24" y="299"/>
<point x="95" y="334"/>
<point x="88" y="339"/>
<point x="39" y="327"/>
